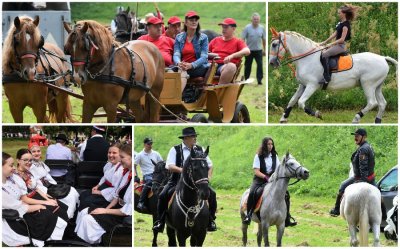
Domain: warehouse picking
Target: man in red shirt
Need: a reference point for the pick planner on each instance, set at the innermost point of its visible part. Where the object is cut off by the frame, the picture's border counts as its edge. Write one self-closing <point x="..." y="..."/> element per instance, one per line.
<point x="230" y="49"/>
<point x="174" y="27"/>
<point x="162" y="42"/>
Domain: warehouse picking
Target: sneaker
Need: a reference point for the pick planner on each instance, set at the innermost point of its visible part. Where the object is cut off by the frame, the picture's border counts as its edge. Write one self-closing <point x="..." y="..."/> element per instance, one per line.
<point x="212" y="227"/>
<point x="158" y="226"/>
<point x="334" y="212"/>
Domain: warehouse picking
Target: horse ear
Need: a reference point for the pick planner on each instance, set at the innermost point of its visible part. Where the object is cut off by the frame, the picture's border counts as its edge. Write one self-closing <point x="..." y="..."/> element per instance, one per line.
<point x="36" y="21"/>
<point x="275" y="33"/>
<point x="127" y="10"/>
<point x="17" y="22"/>
<point x="206" y="152"/>
<point x="287" y="155"/>
<point x="85" y="28"/>
<point x="67" y="27"/>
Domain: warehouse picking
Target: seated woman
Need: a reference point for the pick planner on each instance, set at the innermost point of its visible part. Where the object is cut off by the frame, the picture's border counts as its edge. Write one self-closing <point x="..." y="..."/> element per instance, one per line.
<point x="40" y="172"/>
<point x="43" y="224"/>
<point x="190" y="49"/>
<point x="29" y="186"/>
<point x="92" y="224"/>
<point x="103" y="193"/>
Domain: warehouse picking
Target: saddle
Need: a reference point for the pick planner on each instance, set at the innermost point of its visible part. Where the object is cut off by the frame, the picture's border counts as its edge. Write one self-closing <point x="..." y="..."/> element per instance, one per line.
<point x="139" y="188"/>
<point x="257" y="196"/>
<point x="341" y="62"/>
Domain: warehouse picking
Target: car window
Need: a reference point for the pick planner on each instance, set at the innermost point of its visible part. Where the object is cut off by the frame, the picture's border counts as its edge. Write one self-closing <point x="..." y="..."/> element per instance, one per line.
<point x="389" y="181"/>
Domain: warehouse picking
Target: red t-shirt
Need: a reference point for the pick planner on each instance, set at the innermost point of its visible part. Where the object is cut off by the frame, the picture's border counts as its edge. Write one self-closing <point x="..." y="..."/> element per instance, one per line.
<point x="164" y="44"/>
<point x="225" y="48"/>
<point x="188" y="53"/>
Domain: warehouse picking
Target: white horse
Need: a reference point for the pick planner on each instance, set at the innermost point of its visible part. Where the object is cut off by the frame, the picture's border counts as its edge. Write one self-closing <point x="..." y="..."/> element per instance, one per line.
<point x="273" y="207"/>
<point x="361" y="206"/>
<point x="369" y="70"/>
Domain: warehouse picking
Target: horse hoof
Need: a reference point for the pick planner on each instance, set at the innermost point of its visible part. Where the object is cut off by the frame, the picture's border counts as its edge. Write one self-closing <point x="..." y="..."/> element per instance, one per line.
<point x="283" y="121"/>
<point x="318" y="114"/>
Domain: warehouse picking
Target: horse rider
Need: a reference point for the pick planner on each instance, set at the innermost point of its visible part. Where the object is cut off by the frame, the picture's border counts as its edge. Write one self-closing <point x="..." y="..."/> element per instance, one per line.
<point x="163" y="43"/>
<point x="113" y="25"/>
<point x="346" y="13"/>
<point x="264" y="164"/>
<point x="174" y="27"/>
<point x="176" y="157"/>
<point x="363" y="161"/>
<point x="145" y="160"/>
<point x="230" y="50"/>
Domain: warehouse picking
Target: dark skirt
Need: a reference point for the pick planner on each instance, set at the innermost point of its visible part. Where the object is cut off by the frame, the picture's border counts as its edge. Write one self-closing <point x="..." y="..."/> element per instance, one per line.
<point x="107" y="221"/>
<point x="41" y="224"/>
<point x="87" y="199"/>
<point x="60" y="211"/>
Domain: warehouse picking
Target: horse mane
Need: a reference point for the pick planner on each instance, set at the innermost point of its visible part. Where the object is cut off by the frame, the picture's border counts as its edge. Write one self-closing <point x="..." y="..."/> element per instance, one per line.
<point x="27" y="26"/>
<point x="301" y="37"/>
<point x="102" y="37"/>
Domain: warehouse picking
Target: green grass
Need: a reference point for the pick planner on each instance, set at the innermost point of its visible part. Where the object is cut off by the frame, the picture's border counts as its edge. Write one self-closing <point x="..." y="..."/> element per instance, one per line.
<point x="315" y="227"/>
<point x="11" y="146"/>
<point x="330" y="117"/>
<point x="324" y="150"/>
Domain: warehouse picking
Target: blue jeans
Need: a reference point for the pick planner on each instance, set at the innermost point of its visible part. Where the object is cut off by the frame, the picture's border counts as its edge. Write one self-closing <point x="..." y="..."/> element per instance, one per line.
<point x="148" y="179"/>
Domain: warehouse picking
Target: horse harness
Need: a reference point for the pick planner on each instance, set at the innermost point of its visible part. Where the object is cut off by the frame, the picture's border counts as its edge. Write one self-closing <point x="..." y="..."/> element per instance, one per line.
<point x="191" y="212"/>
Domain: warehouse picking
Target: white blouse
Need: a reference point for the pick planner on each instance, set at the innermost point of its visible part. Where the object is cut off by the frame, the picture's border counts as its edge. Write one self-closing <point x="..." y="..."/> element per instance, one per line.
<point x="12" y="196"/>
<point x="113" y="174"/>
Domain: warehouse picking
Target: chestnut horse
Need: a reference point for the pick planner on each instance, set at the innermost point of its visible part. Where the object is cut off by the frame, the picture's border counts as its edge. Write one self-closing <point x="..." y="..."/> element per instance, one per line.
<point x="110" y="73"/>
<point x="23" y="60"/>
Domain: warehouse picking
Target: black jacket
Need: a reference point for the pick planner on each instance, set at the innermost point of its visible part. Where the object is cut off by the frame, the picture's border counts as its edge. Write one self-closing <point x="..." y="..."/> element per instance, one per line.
<point x="96" y="149"/>
<point x="363" y="160"/>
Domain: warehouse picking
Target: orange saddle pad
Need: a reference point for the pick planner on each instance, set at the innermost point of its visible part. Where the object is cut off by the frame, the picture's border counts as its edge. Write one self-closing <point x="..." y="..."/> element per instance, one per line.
<point x="344" y="63"/>
<point x="258" y="204"/>
<point x="139" y="188"/>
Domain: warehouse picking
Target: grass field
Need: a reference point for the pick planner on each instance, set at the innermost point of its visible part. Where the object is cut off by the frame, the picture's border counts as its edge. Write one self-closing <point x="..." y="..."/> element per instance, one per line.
<point x="315" y="226"/>
<point x="331" y="117"/>
<point x="252" y="96"/>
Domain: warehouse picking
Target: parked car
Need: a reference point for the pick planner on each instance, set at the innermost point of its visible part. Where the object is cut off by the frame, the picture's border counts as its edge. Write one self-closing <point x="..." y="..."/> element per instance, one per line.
<point x="388" y="185"/>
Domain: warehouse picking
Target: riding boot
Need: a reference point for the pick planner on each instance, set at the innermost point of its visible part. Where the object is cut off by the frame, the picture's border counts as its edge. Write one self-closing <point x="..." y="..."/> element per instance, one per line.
<point x="327" y="75"/>
<point x="247" y="219"/>
<point x="336" y="210"/>
<point x="212" y="201"/>
<point x="141" y="205"/>
<point x="289" y="221"/>
<point x="384" y="211"/>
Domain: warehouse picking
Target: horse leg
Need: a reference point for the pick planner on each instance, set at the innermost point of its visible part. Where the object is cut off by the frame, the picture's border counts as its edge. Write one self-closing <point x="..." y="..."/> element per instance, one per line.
<point x="265" y="227"/>
<point x="376" y="232"/>
<point x="137" y="110"/>
<point x="198" y="238"/>
<point x="381" y="103"/>
<point x="171" y="237"/>
<point x="17" y="112"/>
<point x="181" y="239"/>
<point x="244" y="229"/>
<point x="87" y="112"/>
<point x="62" y="103"/>
<point x="279" y="233"/>
<point x="40" y="111"/>
<point x="292" y="102"/>
<point x="371" y="101"/>
<point x="308" y="92"/>
<point x="353" y="235"/>
<point x="111" y="111"/>
<point x="152" y="108"/>
<point x="259" y="235"/>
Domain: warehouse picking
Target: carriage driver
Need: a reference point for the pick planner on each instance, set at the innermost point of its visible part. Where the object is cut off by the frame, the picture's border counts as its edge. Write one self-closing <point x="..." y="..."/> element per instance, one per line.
<point x="230" y="50"/>
<point x="176" y="156"/>
<point x="363" y="161"/>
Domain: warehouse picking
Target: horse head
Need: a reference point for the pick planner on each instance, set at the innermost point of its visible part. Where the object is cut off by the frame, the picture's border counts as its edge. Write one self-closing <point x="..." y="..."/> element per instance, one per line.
<point x="160" y="176"/>
<point x="277" y="49"/>
<point x="123" y="22"/>
<point x="293" y="169"/>
<point x="26" y="42"/>
<point x="81" y="46"/>
<point x="195" y="173"/>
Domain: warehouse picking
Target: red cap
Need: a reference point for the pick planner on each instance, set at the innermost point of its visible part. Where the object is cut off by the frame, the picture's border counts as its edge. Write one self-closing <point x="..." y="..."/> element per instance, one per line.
<point x="174" y="20"/>
<point x="154" y="20"/>
<point x="228" y="21"/>
<point x="191" y="14"/>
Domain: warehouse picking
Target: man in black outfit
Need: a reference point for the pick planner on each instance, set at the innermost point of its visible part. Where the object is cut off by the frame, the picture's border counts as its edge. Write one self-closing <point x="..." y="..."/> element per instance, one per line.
<point x="96" y="147"/>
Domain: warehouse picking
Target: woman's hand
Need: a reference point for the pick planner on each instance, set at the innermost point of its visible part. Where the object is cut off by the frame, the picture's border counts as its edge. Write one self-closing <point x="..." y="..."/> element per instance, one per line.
<point x="37" y="208"/>
<point x="51" y="203"/>
<point x="185" y="65"/>
<point x="99" y="211"/>
<point x="95" y="188"/>
<point x="96" y="192"/>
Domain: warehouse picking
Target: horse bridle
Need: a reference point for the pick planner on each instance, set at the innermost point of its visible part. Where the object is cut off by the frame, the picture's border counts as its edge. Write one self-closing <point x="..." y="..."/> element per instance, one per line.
<point x="190" y="171"/>
<point x="291" y="170"/>
<point x="90" y="46"/>
<point x="28" y="53"/>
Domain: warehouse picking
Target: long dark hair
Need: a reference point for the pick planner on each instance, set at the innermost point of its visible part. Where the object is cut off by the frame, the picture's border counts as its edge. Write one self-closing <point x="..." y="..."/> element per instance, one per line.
<point x="263" y="149"/>
<point x="197" y="29"/>
<point x="5" y="157"/>
<point x="21" y="152"/>
<point x="350" y="11"/>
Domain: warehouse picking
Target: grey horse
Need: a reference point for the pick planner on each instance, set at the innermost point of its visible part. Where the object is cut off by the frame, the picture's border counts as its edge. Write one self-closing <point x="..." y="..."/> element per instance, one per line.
<point x="273" y="206"/>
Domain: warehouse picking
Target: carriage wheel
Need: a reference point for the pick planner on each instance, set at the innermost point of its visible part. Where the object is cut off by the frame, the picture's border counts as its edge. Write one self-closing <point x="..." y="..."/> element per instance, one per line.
<point x="199" y="118"/>
<point x="241" y="114"/>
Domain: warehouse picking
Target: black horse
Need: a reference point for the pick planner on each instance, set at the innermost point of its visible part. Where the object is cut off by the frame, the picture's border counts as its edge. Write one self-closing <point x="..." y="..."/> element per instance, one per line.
<point x="160" y="177"/>
<point x="188" y="214"/>
<point x="128" y="26"/>
<point x="211" y="34"/>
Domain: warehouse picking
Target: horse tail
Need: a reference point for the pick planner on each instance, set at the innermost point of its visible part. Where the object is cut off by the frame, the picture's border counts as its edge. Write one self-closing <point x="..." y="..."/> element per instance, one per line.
<point x="68" y="112"/>
<point x="391" y="60"/>
<point x="364" y="226"/>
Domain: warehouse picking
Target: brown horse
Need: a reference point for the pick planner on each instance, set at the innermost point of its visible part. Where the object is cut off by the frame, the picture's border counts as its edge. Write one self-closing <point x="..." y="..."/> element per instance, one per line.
<point x="111" y="74"/>
<point x="22" y="61"/>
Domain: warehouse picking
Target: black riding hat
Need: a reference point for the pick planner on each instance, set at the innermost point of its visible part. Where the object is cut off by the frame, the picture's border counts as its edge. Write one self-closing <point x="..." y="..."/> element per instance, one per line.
<point x="62" y="136"/>
<point x="360" y="131"/>
<point x="188" y="132"/>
